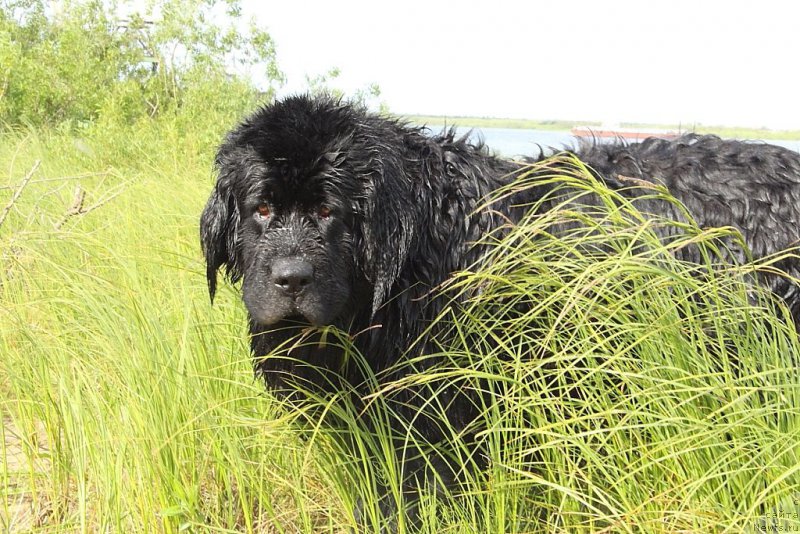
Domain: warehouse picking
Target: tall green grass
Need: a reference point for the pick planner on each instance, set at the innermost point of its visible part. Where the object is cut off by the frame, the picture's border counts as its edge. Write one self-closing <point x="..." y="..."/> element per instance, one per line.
<point x="638" y="393"/>
<point x="619" y="389"/>
<point x="149" y="417"/>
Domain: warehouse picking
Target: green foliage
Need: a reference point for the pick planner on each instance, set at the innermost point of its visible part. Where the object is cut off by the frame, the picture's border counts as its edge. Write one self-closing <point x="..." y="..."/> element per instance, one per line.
<point x="83" y="61"/>
<point x="639" y="393"/>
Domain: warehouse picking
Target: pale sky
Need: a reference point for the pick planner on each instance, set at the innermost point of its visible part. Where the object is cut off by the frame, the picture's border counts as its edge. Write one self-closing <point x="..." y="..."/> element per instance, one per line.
<point x="679" y="61"/>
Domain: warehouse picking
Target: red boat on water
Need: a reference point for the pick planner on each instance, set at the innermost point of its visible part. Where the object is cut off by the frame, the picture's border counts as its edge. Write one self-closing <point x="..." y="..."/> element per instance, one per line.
<point x="628" y="134"/>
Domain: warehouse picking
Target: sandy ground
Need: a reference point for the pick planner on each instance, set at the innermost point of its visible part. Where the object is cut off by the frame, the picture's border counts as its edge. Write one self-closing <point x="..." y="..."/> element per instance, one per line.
<point x="20" y="512"/>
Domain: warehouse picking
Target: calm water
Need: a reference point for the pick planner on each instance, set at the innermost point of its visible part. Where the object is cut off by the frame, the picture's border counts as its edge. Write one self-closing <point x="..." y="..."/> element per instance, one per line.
<point x="512" y="142"/>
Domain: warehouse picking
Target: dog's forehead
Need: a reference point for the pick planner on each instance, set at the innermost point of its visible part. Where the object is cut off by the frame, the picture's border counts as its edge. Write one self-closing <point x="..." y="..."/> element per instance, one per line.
<point x="293" y="182"/>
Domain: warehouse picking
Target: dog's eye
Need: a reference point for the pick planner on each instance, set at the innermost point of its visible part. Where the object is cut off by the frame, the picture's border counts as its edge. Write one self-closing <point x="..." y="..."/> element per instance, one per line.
<point x="324" y="212"/>
<point x="450" y="169"/>
<point x="263" y="210"/>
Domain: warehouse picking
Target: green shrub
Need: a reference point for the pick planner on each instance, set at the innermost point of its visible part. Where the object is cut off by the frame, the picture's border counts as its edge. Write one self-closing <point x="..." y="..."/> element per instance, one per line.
<point x="84" y="62"/>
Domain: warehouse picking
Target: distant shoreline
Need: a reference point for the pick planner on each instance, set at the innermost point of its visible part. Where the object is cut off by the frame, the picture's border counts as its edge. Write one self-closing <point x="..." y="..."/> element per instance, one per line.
<point x="560" y="125"/>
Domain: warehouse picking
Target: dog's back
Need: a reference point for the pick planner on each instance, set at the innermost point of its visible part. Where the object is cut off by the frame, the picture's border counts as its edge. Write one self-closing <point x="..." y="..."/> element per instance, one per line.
<point x="751" y="186"/>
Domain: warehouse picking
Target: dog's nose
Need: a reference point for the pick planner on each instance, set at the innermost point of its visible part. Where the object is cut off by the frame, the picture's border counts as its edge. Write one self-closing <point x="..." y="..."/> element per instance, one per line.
<point x="292" y="275"/>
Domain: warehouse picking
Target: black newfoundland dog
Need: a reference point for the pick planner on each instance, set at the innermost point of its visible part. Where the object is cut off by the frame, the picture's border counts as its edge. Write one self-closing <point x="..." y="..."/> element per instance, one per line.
<point x="332" y="215"/>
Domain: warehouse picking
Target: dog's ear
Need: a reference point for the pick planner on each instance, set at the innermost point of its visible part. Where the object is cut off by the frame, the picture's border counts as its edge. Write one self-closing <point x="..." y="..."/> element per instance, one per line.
<point x="388" y="237"/>
<point x="390" y="214"/>
<point x="219" y="225"/>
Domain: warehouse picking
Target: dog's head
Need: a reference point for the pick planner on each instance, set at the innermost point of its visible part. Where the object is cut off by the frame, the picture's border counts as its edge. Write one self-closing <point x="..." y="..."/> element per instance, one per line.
<point x="318" y="206"/>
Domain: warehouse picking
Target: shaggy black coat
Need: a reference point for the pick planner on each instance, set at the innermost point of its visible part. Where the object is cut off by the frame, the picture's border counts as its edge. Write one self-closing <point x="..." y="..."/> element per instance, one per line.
<point x="751" y="186"/>
<point x="331" y="215"/>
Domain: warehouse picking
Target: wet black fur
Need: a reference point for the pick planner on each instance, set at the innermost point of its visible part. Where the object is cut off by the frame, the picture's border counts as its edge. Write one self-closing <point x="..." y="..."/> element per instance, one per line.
<point x="751" y="186"/>
<point x="402" y="219"/>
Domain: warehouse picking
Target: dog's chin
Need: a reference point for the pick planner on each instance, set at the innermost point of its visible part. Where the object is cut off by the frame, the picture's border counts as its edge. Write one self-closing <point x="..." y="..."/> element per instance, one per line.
<point x="292" y="319"/>
<point x="306" y="312"/>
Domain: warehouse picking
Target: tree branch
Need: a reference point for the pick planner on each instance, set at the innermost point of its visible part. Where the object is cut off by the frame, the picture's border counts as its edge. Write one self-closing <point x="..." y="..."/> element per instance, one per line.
<point x="18" y="192"/>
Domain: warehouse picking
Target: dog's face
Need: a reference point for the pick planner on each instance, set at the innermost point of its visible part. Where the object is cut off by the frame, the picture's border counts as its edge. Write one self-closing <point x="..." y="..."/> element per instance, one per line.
<point x="316" y="208"/>
<point x="296" y="243"/>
